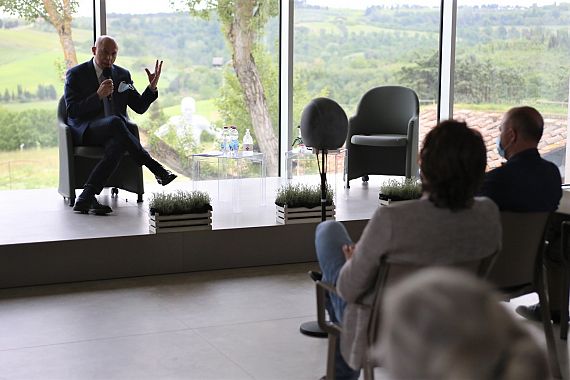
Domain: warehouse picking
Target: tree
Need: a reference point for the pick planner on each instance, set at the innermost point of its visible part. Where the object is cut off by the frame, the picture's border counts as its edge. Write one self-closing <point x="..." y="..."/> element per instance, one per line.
<point x="242" y="22"/>
<point x="56" y="12"/>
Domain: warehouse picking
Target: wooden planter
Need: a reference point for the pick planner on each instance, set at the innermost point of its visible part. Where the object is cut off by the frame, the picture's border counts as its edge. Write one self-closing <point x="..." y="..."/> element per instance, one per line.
<point x="292" y="215"/>
<point x="385" y="201"/>
<point x="180" y="223"/>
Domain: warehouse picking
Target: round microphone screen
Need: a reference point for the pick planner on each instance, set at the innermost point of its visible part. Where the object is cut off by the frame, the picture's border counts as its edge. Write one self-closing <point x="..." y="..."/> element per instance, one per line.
<point x="324" y="124"/>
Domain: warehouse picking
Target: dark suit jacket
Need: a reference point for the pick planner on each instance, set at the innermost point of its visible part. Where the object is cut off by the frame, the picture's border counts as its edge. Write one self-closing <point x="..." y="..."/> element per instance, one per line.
<point x="83" y="104"/>
<point x="526" y="183"/>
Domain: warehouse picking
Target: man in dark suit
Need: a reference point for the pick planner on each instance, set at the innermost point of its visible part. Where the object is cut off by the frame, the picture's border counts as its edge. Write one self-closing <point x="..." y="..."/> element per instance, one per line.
<point x="97" y="94"/>
<point x="528" y="183"/>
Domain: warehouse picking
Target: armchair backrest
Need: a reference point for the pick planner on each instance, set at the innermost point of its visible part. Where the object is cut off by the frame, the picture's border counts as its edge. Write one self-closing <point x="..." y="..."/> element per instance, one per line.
<point x="523" y="243"/>
<point x="385" y="110"/>
<point x="62" y="111"/>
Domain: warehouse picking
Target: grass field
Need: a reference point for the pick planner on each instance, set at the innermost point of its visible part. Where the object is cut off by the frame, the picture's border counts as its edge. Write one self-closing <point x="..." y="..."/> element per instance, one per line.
<point x="29" y="169"/>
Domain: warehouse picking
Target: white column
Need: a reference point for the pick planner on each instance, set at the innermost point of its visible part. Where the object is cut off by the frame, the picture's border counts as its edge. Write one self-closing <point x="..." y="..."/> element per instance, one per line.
<point x="286" y="83"/>
<point x="447" y="46"/>
<point x="102" y="17"/>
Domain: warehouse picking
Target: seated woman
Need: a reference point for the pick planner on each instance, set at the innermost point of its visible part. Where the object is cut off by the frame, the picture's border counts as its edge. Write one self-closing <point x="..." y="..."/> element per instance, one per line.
<point x="446" y="225"/>
<point x="444" y="324"/>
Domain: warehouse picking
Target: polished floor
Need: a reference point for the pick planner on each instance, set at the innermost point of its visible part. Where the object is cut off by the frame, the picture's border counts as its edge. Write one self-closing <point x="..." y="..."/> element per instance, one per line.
<point x="42" y="215"/>
<point x="230" y="324"/>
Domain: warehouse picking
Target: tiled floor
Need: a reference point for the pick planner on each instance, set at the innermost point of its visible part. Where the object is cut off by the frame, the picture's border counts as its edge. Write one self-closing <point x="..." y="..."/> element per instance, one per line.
<point x="232" y="324"/>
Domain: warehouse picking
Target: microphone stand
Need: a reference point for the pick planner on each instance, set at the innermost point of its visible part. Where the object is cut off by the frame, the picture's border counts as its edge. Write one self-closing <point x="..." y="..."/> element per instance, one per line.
<point x="312" y="328"/>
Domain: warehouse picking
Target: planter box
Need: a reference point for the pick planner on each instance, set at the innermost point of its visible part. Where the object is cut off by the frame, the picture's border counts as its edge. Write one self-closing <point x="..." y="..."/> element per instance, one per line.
<point x="292" y="215"/>
<point x="388" y="202"/>
<point x="180" y="223"/>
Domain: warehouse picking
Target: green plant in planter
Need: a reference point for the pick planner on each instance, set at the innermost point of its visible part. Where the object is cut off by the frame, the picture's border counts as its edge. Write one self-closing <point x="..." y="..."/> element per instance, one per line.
<point x="401" y="190"/>
<point x="302" y="196"/>
<point x="181" y="202"/>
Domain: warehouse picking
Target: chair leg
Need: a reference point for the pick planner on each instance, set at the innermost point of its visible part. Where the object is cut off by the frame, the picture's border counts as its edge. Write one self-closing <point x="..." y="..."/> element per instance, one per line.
<point x="548" y="332"/>
<point x="71" y="201"/>
<point x="331" y="358"/>
<point x="368" y="372"/>
<point x="564" y="307"/>
<point x="139" y="198"/>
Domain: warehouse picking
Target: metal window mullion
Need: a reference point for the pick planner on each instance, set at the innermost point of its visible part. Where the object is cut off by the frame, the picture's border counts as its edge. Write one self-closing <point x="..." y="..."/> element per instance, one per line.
<point x="286" y="82"/>
<point x="447" y="58"/>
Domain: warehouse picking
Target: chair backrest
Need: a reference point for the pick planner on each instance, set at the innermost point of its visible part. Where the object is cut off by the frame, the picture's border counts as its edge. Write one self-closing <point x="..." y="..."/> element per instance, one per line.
<point x="62" y="111"/>
<point x="523" y="241"/>
<point x="385" y="109"/>
<point x="392" y="272"/>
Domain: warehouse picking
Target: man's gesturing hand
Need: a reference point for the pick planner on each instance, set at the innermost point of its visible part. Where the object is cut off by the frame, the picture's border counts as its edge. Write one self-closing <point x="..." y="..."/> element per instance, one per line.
<point x="105" y="88"/>
<point x="153" y="77"/>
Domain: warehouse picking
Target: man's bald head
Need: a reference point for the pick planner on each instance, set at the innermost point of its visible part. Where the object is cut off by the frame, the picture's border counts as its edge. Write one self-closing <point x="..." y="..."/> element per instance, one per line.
<point x="527" y="122"/>
<point x="105" y="51"/>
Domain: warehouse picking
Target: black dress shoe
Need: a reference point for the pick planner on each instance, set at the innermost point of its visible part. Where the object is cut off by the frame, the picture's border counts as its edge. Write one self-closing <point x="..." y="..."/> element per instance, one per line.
<point x="166" y="178"/>
<point x="85" y="206"/>
<point x="532" y="313"/>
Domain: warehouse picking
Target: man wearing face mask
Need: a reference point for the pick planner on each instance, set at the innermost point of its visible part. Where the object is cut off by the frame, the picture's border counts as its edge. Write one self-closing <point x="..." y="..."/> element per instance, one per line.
<point x="97" y="94"/>
<point x="528" y="183"/>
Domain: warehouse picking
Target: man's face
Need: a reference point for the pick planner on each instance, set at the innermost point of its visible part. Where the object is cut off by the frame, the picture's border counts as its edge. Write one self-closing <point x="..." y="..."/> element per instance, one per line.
<point x="507" y="133"/>
<point x="105" y="53"/>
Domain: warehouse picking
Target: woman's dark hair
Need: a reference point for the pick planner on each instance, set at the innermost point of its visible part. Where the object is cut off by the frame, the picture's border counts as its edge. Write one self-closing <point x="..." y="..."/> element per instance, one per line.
<point x="452" y="163"/>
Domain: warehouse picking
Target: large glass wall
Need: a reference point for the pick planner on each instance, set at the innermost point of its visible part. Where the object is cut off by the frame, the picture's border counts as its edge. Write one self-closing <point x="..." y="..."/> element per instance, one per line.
<point x="209" y="79"/>
<point x="35" y="51"/>
<point x="344" y="48"/>
<point x="507" y="56"/>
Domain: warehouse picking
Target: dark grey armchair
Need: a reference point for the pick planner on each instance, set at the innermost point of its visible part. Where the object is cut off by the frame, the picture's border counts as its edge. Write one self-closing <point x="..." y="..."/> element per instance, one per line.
<point x="383" y="135"/>
<point x="77" y="162"/>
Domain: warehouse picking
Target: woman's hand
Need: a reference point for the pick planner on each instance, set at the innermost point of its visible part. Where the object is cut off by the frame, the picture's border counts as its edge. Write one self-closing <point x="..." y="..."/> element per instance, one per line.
<point x="348" y="250"/>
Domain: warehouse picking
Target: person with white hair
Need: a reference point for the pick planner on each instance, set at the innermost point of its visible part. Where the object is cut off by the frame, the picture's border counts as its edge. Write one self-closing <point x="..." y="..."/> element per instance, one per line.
<point x="446" y="324"/>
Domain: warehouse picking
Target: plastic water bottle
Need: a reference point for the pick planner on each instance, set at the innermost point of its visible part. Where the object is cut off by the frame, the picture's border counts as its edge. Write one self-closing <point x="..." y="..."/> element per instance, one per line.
<point x="234" y="139"/>
<point x="224" y="140"/>
<point x="247" y="145"/>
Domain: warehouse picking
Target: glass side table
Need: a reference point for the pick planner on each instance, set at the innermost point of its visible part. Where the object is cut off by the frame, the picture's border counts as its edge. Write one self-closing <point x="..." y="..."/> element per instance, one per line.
<point x="303" y="157"/>
<point x="225" y="163"/>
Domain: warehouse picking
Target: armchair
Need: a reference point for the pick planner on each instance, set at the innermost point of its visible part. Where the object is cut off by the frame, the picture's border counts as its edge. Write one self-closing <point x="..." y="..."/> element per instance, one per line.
<point x="383" y="135"/>
<point x="77" y="162"/>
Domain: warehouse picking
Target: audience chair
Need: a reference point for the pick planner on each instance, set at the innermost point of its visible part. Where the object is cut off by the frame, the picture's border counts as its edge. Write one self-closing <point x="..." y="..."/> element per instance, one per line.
<point x="383" y="135"/>
<point x="565" y="230"/>
<point x="518" y="268"/>
<point x="390" y="272"/>
<point x="77" y="162"/>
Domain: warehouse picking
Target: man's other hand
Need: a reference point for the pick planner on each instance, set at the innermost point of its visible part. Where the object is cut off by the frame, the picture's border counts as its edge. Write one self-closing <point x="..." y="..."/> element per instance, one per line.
<point x="105" y="88"/>
<point x="154" y="77"/>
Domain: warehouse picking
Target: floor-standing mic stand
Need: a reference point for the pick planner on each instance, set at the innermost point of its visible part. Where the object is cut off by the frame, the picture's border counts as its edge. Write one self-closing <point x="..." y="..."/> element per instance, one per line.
<point x="312" y="328"/>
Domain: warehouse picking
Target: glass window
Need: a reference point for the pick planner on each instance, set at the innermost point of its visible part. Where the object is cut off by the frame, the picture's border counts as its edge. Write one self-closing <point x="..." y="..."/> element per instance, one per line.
<point x="513" y="55"/>
<point x="35" y="51"/>
<point x="343" y="49"/>
<point x="215" y="74"/>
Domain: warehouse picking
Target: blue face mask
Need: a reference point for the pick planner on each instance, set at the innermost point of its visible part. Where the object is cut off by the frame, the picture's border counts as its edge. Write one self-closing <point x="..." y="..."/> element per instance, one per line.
<point x="500" y="147"/>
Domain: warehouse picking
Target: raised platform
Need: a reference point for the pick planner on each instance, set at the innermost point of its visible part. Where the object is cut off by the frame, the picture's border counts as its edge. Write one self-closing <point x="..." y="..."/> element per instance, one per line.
<point x="44" y="241"/>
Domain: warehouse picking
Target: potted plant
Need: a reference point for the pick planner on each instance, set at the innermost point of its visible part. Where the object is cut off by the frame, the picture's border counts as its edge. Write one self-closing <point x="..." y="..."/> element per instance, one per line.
<point x="400" y="190"/>
<point x="302" y="204"/>
<point x="180" y="211"/>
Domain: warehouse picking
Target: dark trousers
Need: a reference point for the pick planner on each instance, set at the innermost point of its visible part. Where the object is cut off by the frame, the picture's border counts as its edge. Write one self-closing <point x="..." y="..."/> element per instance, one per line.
<point x="114" y="134"/>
